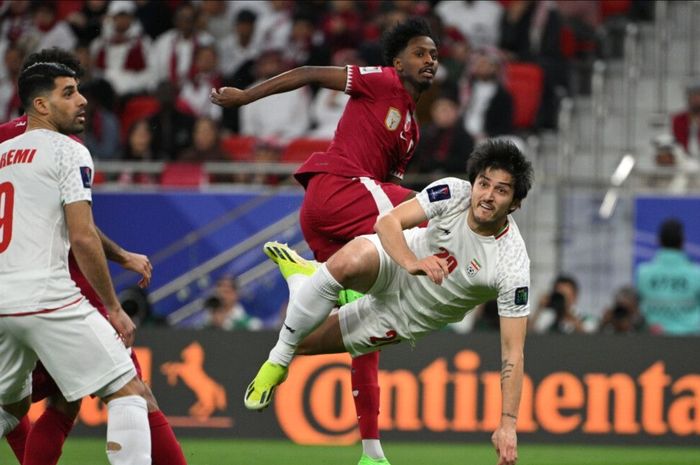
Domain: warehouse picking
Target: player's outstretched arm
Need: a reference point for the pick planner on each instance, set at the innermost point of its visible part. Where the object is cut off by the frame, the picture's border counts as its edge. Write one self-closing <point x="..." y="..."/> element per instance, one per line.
<point x="504" y="439"/>
<point x="331" y="77"/>
<point x="87" y="248"/>
<point x="131" y="261"/>
<point x="389" y="227"/>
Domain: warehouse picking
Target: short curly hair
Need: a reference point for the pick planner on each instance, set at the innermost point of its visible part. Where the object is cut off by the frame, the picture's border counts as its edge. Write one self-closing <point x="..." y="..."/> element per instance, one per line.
<point x="503" y="155"/>
<point x="396" y="39"/>
<point x="55" y="55"/>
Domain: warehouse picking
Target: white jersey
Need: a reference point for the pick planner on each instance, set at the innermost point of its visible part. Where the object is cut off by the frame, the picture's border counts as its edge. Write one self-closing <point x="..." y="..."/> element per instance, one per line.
<point x="482" y="268"/>
<point x="40" y="172"/>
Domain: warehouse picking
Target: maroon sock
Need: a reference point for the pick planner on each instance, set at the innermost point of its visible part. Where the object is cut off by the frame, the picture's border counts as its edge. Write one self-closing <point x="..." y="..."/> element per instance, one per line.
<point x="365" y="389"/>
<point x="17" y="438"/>
<point x="165" y="450"/>
<point x="45" y="441"/>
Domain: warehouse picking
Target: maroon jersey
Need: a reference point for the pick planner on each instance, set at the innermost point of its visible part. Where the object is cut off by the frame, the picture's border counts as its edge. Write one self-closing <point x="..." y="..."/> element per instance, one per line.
<point x="377" y="134"/>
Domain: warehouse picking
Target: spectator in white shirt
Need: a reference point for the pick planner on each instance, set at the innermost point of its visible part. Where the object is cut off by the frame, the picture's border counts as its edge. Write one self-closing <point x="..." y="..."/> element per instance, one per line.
<point x="241" y="45"/>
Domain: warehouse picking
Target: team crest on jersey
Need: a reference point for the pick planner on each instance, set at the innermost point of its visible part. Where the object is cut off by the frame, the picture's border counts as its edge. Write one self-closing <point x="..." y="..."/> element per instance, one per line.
<point x="473" y="268"/>
<point x="86" y="175"/>
<point x="393" y="119"/>
<point x="437" y="193"/>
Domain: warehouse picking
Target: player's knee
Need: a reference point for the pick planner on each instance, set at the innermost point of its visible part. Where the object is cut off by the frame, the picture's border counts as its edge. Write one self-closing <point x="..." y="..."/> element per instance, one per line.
<point x="69" y="409"/>
<point x="348" y="262"/>
<point x="135" y="387"/>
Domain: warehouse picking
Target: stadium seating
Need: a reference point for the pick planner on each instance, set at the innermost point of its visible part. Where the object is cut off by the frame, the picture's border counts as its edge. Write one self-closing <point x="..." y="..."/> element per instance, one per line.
<point x="298" y="150"/>
<point x="525" y="81"/>
<point x="239" y="148"/>
<point x="179" y="174"/>
<point x="136" y="108"/>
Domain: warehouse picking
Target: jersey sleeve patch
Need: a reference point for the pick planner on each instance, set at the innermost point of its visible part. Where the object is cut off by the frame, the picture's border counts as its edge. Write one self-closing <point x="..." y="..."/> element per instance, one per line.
<point x="86" y="175"/>
<point x="522" y="295"/>
<point x="370" y="69"/>
<point x="440" y="192"/>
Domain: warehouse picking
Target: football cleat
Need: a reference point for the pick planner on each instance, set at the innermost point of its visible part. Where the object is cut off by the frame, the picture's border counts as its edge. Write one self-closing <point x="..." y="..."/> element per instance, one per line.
<point x="367" y="460"/>
<point x="259" y="394"/>
<point x="288" y="260"/>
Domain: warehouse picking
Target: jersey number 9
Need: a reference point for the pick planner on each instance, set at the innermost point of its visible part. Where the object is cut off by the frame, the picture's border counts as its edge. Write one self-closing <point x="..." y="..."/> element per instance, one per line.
<point x="7" y="201"/>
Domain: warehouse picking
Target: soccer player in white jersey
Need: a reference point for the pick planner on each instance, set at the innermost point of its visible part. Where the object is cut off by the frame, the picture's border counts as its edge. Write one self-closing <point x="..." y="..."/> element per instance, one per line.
<point x="417" y="280"/>
<point x="45" y="207"/>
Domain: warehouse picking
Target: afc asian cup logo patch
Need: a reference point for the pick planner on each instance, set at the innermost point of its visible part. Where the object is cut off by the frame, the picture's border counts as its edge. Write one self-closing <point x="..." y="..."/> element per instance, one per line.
<point x="521" y="295"/>
<point x="437" y="193"/>
<point x="86" y="175"/>
<point x="393" y="119"/>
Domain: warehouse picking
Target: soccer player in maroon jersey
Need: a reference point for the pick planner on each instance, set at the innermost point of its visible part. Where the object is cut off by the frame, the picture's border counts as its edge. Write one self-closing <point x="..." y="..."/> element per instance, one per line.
<point x="357" y="178"/>
<point x="42" y="443"/>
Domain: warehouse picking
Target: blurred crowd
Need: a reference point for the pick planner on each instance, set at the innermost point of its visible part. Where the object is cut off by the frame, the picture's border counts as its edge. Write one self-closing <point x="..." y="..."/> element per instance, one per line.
<point x="504" y="66"/>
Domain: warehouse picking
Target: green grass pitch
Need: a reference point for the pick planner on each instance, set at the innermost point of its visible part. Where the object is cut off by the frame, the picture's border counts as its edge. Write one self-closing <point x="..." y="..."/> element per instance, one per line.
<point x="81" y="451"/>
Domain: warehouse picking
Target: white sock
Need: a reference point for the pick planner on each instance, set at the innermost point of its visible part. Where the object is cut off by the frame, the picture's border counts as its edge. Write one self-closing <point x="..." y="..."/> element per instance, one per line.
<point x="128" y="433"/>
<point x="307" y="309"/>
<point x="294" y="283"/>
<point x="372" y="448"/>
<point x="8" y="422"/>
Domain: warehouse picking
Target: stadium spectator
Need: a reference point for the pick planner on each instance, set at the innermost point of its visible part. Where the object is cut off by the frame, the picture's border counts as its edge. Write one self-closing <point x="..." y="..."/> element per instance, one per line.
<point x="225" y="311"/>
<point x="171" y="127"/>
<point x="357" y="178"/>
<point x="47" y="30"/>
<point x="15" y="22"/>
<point x="530" y="31"/>
<point x="10" y="104"/>
<point x="122" y="54"/>
<point x="411" y="291"/>
<point x="445" y="145"/>
<point x="307" y="45"/>
<point x="342" y="25"/>
<point x="556" y="312"/>
<point x="206" y="142"/>
<point x="487" y="104"/>
<point x="275" y="24"/>
<point x="240" y="46"/>
<point x="677" y="171"/>
<point x="174" y="50"/>
<point x="686" y="124"/>
<point x="282" y="116"/>
<point x="87" y="22"/>
<point x="102" y="130"/>
<point x="669" y="285"/>
<point x="216" y="17"/>
<point x="624" y="316"/>
<point x="478" y="21"/>
<point x="205" y="77"/>
<point x="138" y="148"/>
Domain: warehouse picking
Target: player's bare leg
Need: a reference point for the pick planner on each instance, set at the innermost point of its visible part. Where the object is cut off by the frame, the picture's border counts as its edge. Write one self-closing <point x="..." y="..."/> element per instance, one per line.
<point x="165" y="450"/>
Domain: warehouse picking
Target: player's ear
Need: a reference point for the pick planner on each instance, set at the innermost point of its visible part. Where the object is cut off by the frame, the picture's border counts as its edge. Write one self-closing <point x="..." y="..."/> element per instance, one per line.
<point x="398" y="66"/>
<point x="41" y="105"/>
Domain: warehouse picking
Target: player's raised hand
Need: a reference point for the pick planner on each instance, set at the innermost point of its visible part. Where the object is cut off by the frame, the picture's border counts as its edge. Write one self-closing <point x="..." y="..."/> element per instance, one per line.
<point x="228" y="97"/>
<point x="140" y="264"/>
<point x="505" y="441"/>
<point x="433" y="267"/>
<point x="120" y="321"/>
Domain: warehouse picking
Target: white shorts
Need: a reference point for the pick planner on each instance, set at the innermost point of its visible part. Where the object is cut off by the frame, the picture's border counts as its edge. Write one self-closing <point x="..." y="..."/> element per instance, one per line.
<point x="79" y="348"/>
<point x="377" y="319"/>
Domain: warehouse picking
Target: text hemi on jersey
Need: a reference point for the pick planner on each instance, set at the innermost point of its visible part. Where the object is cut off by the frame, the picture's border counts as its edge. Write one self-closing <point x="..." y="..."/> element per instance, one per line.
<point x="16" y="156"/>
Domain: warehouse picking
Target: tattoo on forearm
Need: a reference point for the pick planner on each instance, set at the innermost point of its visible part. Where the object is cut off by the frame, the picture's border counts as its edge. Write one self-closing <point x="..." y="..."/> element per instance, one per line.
<point x="506" y="370"/>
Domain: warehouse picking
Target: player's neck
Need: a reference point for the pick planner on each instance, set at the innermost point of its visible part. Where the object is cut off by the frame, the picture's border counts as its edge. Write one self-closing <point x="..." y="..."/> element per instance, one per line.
<point x="36" y="122"/>
<point x="486" y="229"/>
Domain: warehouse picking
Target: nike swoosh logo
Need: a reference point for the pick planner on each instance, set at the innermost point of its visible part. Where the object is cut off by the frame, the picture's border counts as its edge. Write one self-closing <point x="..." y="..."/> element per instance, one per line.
<point x="288" y="328"/>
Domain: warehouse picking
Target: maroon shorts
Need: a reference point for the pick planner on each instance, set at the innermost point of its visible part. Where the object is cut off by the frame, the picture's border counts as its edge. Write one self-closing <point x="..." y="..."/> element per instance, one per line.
<point x="337" y="209"/>
<point x="44" y="386"/>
